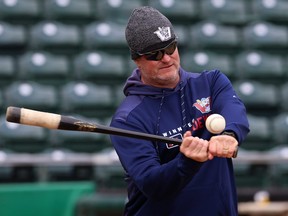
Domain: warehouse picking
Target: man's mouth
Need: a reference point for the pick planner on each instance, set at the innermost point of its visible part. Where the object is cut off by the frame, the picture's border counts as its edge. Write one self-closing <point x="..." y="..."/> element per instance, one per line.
<point x="166" y="66"/>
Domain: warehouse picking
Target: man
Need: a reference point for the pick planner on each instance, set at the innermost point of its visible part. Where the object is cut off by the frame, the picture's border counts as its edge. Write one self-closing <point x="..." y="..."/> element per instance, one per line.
<point x="195" y="179"/>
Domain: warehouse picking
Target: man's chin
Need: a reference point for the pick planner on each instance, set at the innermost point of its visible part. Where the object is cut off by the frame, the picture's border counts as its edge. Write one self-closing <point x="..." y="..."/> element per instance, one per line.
<point x="169" y="79"/>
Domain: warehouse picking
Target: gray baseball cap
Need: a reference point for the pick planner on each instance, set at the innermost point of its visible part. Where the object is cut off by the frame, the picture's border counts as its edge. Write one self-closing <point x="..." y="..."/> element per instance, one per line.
<point x="148" y="30"/>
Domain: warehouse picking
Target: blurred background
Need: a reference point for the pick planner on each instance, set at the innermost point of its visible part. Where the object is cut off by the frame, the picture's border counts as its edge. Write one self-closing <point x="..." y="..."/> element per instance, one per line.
<point x="70" y="57"/>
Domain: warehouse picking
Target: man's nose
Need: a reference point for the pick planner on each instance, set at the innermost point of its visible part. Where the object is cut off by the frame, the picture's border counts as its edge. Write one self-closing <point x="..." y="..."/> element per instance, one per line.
<point x="166" y="58"/>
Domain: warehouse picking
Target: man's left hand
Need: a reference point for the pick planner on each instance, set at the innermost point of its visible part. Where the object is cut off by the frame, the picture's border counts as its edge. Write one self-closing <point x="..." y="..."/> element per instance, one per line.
<point x="222" y="146"/>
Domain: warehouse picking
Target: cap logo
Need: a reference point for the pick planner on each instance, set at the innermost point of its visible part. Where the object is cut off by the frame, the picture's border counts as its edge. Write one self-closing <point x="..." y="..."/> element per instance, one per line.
<point x="164" y="33"/>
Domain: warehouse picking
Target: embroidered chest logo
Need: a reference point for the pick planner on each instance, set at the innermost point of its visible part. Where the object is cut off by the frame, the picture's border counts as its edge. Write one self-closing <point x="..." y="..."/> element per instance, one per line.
<point x="164" y="33"/>
<point x="177" y="136"/>
<point x="203" y="105"/>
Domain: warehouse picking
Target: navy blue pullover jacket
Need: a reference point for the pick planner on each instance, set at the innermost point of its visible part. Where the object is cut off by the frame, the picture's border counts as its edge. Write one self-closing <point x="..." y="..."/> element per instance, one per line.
<point x="160" y="180"/>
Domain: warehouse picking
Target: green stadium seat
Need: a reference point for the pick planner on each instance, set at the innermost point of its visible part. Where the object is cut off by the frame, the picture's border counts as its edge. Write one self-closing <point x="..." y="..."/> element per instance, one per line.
<point x="53" y="34"/>
<point x="205" y="60"/>
<point x="211" y="34"/>
<point x="225" y="11"/>
<point x="105" y="34"/>
<point x="15" y="173"/>
<point x="6" y="172"/>
<point x="7" y="67"/>
<point x="265" y="35"/>
<point x="100" y="66"/>
<point x="284" y="97"/>
<point x="260" y="137"/>
<point x="110" y="178"/>
<point x="249" y="176"/>
<point x="22" y="138"/>
<point x="110" y="175"/>
<point x="1" y="100"/>
<point x="116" y="10"/>
<point x="110" y="195"/>
<point x="111" y="204"/>
<point x="286" y="64"/>
<point x="79" y="141"/>
<point x="258" y="96"/>
<point x="87" y="98"/>
<point x="270" y="10"/>
<point x="43" y="65"/>
<point x="12" y="35"/>
<point x="71" y="10"/>
<point x="19" y="10"/>
<point x="184" y="11"/>
<point x="31" y="95"/>
<point x="280" y="125"/>
<point x="66" y="170"/>
<point x="279" y="171"/>
<point x="260" y="65"/>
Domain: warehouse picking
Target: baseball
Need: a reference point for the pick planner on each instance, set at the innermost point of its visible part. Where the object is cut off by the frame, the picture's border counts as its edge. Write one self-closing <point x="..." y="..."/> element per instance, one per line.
<point x="215" y="123"/>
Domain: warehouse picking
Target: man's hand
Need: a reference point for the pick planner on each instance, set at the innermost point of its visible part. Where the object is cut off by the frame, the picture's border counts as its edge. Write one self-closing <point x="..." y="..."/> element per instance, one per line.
<point x="194" y="147"/>
<point x="222" y="146"/>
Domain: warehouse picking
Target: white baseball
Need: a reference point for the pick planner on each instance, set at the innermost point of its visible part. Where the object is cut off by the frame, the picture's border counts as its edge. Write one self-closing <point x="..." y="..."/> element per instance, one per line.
<point x="215" y="123"/>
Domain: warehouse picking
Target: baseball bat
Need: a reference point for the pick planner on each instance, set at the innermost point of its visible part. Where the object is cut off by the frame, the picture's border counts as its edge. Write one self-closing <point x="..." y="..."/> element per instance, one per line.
<point x="62" y="122"/>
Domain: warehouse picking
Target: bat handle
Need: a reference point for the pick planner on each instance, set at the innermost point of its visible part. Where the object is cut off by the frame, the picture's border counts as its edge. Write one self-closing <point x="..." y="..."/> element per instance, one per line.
<point x="32" y="117"/>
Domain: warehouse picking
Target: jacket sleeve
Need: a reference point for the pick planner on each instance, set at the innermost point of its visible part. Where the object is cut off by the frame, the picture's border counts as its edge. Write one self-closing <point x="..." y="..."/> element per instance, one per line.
<point x="226" y="102"/>
<point x="140" y="160"/>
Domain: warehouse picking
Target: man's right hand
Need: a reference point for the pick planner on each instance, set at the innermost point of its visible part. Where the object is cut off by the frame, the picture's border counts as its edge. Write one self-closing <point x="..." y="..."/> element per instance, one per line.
<point x="194" y="148"/>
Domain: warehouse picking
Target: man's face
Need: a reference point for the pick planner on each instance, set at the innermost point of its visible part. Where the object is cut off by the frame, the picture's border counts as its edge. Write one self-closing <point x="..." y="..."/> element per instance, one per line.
<point x="163" y="73"/>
